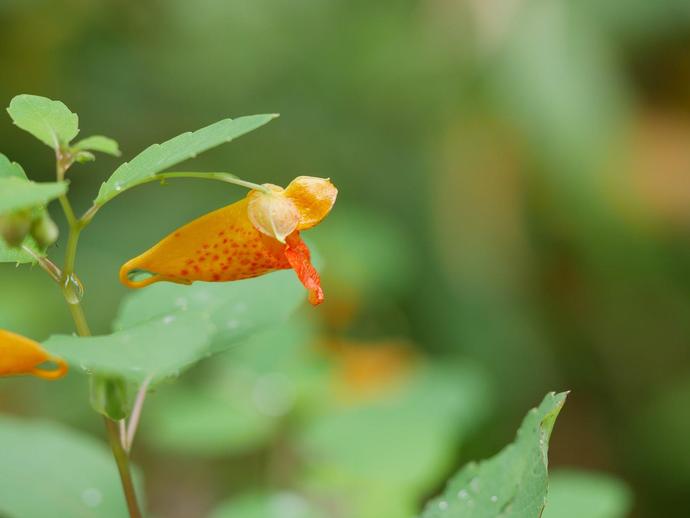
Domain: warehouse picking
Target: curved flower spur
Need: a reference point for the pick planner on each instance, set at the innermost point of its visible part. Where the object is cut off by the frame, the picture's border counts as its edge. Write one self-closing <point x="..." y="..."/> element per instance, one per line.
<point x="20" y="355"/>
<point x="254" y="236"/>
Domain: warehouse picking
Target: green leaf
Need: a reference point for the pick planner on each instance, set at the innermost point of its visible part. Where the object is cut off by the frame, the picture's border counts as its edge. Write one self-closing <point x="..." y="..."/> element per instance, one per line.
<point x="371" y="441"/>
<point x="202" y="422"/>
<point x="159" y="348"/>
<point x="49" y="121"/>
<point x="236" y="308"/>
<point x="285" y="504"/>
<point x="48" y="470"/>
<point x="513" y="483"/>
<point x="13" y="255"/>
<point x="18" y="194"/>
<point x="159" y="157"/>
<point x="242" y="398"/>
<point x="17" y="255"/>
<point x="98" y="143"/>
<point x="10" y="169"/>
<point x="574" y="493"/>
<point x="16" y="191"/>
<point x="361" y="453"/>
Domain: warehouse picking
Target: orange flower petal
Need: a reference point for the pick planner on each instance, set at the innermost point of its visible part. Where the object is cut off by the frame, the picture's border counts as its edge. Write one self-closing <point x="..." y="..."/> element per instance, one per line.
<point x="220" y="246"/>
<point x="299" y="257"/>
<point x="242" y="240"/>
<point x="19" y="355"/>
<point x="314" y="198"/>
<point x="369" y="370"/>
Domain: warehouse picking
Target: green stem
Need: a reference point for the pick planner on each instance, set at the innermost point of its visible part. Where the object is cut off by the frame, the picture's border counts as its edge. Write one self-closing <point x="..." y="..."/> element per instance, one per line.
<point x="70" y="289"/>
<point x="79" y="318"/>
<point x="222" y="177"/>
<point x="68" y="282"/>
<point x="75" y="229"/>
<point x="67" y="209"/>
<point x="122" y="461"/>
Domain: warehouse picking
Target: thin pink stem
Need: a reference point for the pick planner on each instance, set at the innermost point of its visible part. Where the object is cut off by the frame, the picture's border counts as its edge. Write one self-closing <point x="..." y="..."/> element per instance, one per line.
<point x="123" y="432"/>
<point x="136" y="413"/>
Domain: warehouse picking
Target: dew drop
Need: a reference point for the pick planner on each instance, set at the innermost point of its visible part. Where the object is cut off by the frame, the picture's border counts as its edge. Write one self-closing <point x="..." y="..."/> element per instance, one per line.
<point x="463" y="494"/>
<point x="443" y="505"/>
<point x="232" y="324"/>
<point x="168" y="319"/>
<point x="73" y="289"/>
<point x="288" y="505"/>
<point x="92" y="497"/>
<point x="494" y="498"/>
<point x="474" y="485"/>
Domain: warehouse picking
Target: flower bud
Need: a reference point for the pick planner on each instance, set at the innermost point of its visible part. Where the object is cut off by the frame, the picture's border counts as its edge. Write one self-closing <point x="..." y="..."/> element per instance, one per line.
<point x="44" y="231"/>
<point x="15" y="227"/>
<point x="109" y="396"/>
<point x="83" y="157"/>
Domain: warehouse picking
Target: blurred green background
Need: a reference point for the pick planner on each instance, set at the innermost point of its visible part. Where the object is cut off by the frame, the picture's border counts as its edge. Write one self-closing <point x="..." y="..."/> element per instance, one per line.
<point x="513" y="218"/>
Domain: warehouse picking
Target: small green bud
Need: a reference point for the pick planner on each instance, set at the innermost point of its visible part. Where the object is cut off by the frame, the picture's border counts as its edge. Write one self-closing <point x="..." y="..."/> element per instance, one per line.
<point x="109" y="396"/>
<point x="44" y="231"/>
<point x="15" y="227"/>
<point x="84" y="156"/>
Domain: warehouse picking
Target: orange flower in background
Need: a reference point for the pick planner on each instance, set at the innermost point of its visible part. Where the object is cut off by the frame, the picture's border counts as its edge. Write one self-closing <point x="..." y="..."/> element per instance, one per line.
<point x="369" y="370"/>
<point x="256" y="235"/>
<point x="19" y="355"/>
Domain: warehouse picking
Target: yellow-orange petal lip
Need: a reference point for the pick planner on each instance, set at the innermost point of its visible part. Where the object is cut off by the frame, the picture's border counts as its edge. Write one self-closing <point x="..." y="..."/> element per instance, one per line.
<point x="314" y="198"/>
<point x="22" y="356"/>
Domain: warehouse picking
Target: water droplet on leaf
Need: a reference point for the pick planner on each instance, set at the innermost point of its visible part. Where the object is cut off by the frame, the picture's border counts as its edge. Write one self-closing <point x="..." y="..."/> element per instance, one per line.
<point x="92" y="497"/>
<point x="232" y="324"/>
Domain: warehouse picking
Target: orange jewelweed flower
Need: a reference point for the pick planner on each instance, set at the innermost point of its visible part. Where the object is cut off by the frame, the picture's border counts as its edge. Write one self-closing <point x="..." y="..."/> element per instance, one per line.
<point x="256" y="235"/>
<point x="19" y="355"/>
<point x="365" y="371"/>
